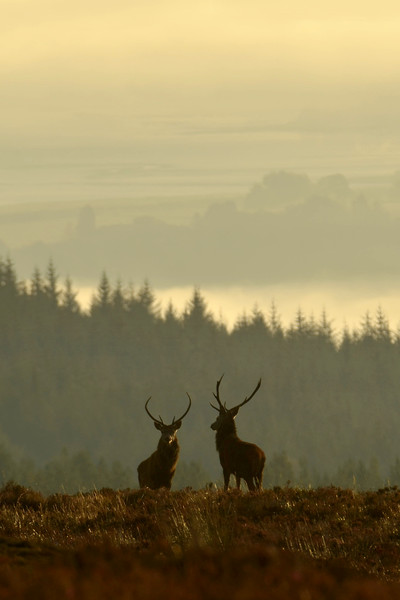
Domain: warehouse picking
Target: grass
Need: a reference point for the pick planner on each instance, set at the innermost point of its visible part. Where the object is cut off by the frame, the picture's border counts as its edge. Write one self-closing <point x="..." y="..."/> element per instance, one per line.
<point x="284" y="543"/>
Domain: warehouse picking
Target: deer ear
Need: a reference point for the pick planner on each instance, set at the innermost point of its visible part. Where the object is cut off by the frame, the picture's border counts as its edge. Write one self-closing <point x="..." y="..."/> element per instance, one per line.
<point x="234" y="411"/>
<point x="157" y="426"/>
<point x="177" y="424"/>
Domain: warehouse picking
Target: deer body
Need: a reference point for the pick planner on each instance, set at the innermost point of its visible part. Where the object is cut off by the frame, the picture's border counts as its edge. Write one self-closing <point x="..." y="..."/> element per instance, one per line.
<point x="158" y="470"/>
<point x="241" y="459"/>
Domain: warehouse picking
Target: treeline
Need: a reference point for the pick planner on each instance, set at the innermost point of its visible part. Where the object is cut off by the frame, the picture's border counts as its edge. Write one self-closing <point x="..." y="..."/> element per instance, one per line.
<point x="329" y="401"/>
<point x="79" y="472"/>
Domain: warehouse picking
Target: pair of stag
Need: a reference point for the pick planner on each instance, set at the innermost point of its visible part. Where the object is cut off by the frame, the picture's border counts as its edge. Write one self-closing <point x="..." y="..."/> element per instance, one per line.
<point x="241" y="459"/>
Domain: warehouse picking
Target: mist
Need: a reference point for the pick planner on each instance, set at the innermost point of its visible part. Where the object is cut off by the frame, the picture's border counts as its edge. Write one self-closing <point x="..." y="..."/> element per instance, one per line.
<point x="231" y="85"/>
<point x="317" y="243"/>
<point x="158" y="154"/>
<point x="343" y="304"/>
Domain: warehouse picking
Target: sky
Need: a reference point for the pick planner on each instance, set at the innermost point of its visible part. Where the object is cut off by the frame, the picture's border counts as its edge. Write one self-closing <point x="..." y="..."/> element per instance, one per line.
<point x="120" y="100"/>
<point x="181" y="76"/>
<point x="243" y="86"/>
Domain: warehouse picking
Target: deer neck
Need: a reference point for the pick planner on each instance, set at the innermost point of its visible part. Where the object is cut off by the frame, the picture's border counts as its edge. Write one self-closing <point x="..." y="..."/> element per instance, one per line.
<point x="227" y="430"/>
<point x="168" y="452"/>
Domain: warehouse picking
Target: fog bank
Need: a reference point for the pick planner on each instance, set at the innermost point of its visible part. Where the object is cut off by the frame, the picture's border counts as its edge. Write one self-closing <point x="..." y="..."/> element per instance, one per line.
<point x="345" y="304"/>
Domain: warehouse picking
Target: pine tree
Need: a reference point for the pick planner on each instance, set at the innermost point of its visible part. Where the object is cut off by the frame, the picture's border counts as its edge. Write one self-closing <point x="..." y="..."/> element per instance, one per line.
<point x="8" y="277"/>
<point x="299" y="327"/>
<point x="367" y="328"/>
<point x="37" y="287"/>
<point x="68" y="298"/>
<point x="258" y="321"/>
<point x="196" y="314"/>
<point x="382" y="328"/>
<point x="147" y="300"/>
<point x="274" y="320"/>
<point x="102" y="299"/>
<point x="9" y="290"/>
<point x="172" y="325"/>
<point x="325" y="328"/>
<point x="118" y="299"/>
<point x="50" y="286"/>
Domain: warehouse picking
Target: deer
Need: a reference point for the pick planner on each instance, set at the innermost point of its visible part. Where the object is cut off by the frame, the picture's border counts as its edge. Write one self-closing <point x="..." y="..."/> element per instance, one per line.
<point x="241" y="459"/>
<point x="158" y="470"/>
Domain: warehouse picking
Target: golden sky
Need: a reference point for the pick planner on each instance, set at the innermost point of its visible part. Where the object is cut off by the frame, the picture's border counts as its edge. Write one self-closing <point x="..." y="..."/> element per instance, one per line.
<point x="100" y="68"/>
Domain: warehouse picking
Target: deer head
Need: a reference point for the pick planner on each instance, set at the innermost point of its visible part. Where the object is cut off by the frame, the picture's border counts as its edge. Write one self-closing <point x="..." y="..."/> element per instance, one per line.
<point x="168" y="432"/>
<point x="228" y="414"/>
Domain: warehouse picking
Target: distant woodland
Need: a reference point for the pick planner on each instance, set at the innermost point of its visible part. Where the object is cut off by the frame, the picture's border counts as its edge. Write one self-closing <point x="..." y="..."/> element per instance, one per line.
<point x="73" y="387"/>
<point x="286" y="228"/>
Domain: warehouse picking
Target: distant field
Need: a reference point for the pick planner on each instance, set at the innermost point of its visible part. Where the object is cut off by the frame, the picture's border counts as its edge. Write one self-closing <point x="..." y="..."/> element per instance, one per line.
<point x="278" y="544"/>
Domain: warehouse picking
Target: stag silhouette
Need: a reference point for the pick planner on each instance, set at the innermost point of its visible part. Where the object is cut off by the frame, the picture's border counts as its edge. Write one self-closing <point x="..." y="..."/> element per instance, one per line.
<point x="241" y="459"/>
<point x="158" y="470"/>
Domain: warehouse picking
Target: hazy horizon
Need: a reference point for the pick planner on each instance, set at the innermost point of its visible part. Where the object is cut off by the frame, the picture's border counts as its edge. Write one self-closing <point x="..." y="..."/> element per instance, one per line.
<point x="92" y="89"/>
<point x="122" y="107"/>
<point x="345" y="306"/>
<point x="246" y="149"/>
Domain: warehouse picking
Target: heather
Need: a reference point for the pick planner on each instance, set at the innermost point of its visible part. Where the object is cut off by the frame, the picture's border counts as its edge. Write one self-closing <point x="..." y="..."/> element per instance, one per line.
<point x="280" y="543"/>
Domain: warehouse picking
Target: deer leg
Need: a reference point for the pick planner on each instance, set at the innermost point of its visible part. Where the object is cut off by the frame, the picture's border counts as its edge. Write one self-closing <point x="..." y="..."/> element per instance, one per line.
<point x="226" y="479"/>
<point x="260" y="478"/>
<point x="250" y="484"/>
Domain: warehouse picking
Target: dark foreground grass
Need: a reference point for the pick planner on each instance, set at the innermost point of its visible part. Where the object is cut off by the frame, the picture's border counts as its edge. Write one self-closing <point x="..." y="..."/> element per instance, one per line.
<point x="279" y="544"/>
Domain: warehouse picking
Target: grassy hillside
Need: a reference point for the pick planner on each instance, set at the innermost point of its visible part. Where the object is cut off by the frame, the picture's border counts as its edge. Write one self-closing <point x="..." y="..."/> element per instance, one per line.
<point x="281" y="543"/>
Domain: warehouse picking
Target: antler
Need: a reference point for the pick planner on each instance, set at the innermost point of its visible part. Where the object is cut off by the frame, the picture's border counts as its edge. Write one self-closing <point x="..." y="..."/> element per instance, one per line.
<point x="248" y="398"/>
<point x="159" y="421"/>
<point x="186" y="412"/>
<point x="216" y="396"/>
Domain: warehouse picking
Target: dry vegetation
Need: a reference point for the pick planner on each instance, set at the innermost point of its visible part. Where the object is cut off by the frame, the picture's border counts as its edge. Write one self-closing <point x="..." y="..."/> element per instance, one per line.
<point x="283" y="543"/>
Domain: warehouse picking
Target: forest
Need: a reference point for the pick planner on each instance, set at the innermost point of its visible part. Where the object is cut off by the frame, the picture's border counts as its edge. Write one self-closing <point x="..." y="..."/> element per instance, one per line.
<point x="74" y="384"/>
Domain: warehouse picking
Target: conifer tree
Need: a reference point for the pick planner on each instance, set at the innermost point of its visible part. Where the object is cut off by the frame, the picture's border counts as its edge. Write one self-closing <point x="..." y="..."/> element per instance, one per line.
<point x="367" y="331"/>
<point x="172" y="325"/>
<point x="258" y="322"/>
<point x="8" y="277"/>
<point x="9" y="291"/>
<point x="147" y="300"/>
<point x="37" y="284"/>
<point x="325" y="328"/>
<point x="382" y="328"/>
<point x="299" y="327"/>
<point x="196" y="314"/>
<point x="50" y="286"/>
<point x="101" y="302"/>
<point x="68" y="298"/>
<point x="118" y="299"/>
<point x="274" y="320"/>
